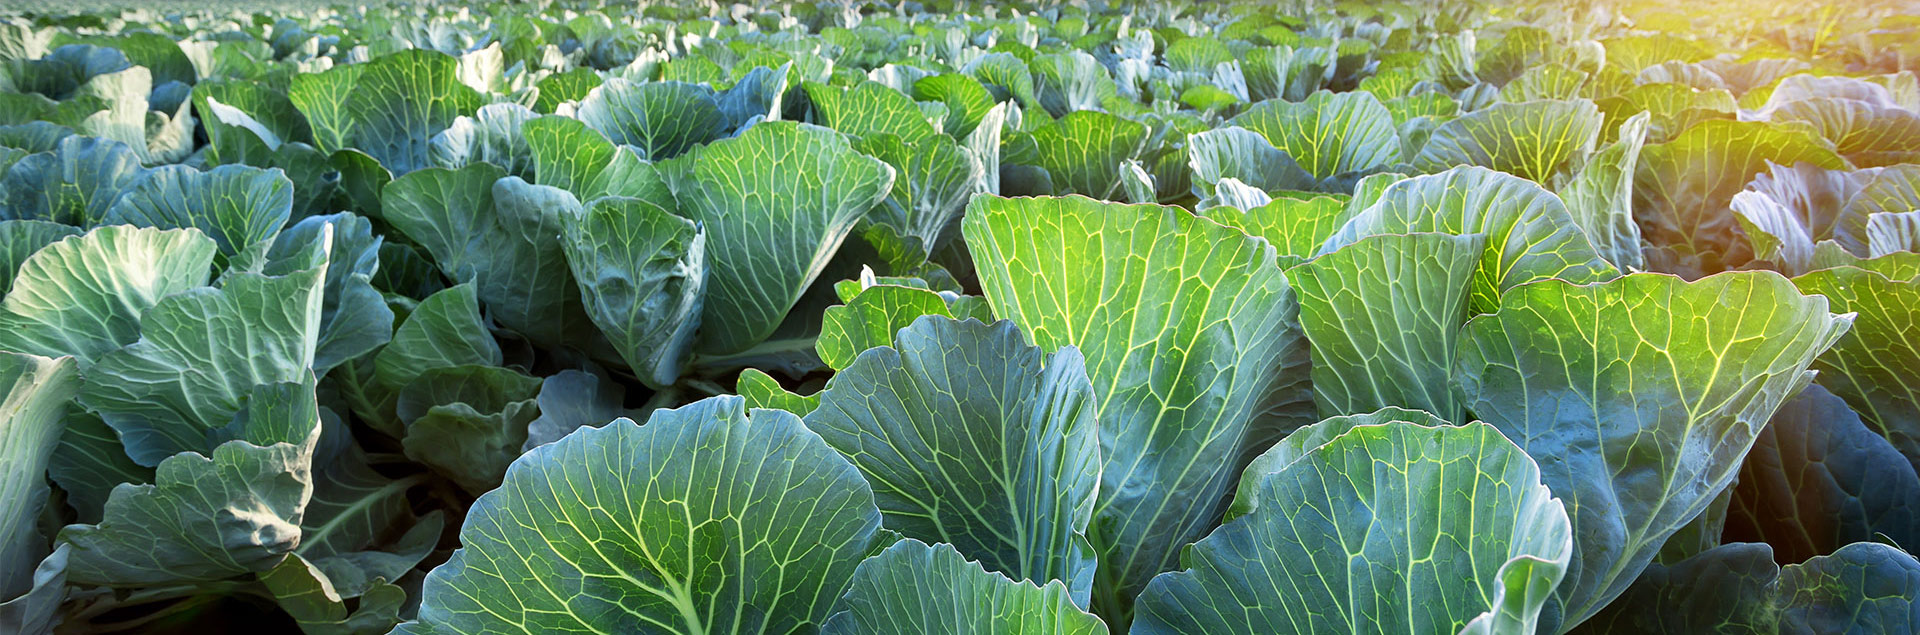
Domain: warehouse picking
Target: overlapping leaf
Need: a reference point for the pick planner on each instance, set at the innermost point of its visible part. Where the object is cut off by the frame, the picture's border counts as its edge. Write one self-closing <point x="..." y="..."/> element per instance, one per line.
<point x="1191" y="345"/>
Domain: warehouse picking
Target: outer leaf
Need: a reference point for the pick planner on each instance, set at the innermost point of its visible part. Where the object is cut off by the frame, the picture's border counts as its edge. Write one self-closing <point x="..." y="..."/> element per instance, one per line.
<point x="1790" y="214"/>
<point x="1532" y="140"/>
<point x="973" y="438"/>
<point x="1600" y="197"/>
<point x="90" y="462"/>
<point x="468" y="422"/>
<point x="1329" y="133"/>
<point x="83" y="296"/>
<point x="936" y="177"/>
<point x="1683" y="188"/>
<point x="642" y="273"/>
<point x="20" y="239"/>
<point x="1889" y="233"/>
<point x="38" y="610"/>
<point x="870" y="319"/>
<point x="1863" y="587"/>
<point x="74" y="185"/>
<point x="1863" y="119"/>
<point x="1191" y="345"/>
<point x="1384" y="316"/>
<point x="492" y="135"/>
<point x="915" y="588"/>
<point x="445" y="330"/>
<point x="661" y="119"/>
<point x="762" y="391"/>
<point x="307" y="595"/>
<point x="1642" y="395"/>
<point x="1873" y="365"/>
<point x="1296" y="227"/>
<point x="570" y="400"/>
<point x="1530" y="235"/>
<point x="237" y="206"/>
<point x="1387" y="528"/>
<point x="389" y="108"/>
<point x="777" y="201"/>
<point x="1083" y="151"/>
<point x="1241" y="154"/>
<point x="246" y="121"/>
<point x="1818" y="479"/>
<point x="210" y="518"/>
<point x="1064" y="83"/>
<point x="37" y="391"/>
<point x="200" y="352"/>
<point x="613" y="528"/>
<point x="354" y="318"/>
<point x="871" y="108"/>
<point x="497" y="233"/>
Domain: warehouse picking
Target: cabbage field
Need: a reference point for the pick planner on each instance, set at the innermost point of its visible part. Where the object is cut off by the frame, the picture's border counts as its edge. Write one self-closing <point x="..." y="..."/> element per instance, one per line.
<point x="960" y="317"/>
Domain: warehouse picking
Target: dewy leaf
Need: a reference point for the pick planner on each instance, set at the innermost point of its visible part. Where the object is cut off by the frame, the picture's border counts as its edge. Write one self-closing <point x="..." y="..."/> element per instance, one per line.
<point x="31" y="414"/>
<point x="1384" y="317"/>
<point x="1329" y="133"/>
<point x="1863" y="587"/>
<point x="1532" y="140"/>
<point x="871" y="319"/>
<point x="807" y="189"/>
<point x="661" y="119"/>
<point x="912" y="587"/>
<point x="614" y="529"/>
<point x="1642" y="395"/>
<point x="238" y="206"/>
<point x="390" y="107"/>
<point x="973" y="438"/>
<point x="1818" y="478"/>
<point x="1600" y="197"/>
<point x="498" y="233"/>
<point x="1390" y="527"/>
<point x="1192" y="345"/>
<point x="1874" y="365"/>
<point x="201" y="351"/>
<point x="84" y="295"/>
<point x="642" y="273"/>
<point x="1530" y="235"/>
<point x="1083" y="151"/>
<point x="1683" y="188"/>
<point x="208" y="518"/>
<point x="20" y="239"/>
<point x="74" y="184"/>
